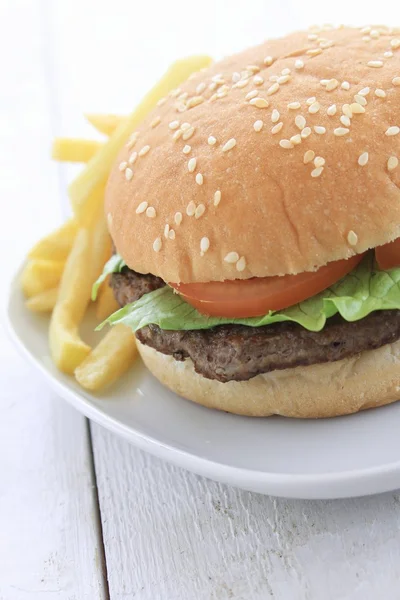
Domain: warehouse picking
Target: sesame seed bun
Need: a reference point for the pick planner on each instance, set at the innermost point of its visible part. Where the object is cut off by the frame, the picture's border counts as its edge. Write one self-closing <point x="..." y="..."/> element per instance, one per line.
<point x="274" y="161"/>
<point x="366" y="380"/>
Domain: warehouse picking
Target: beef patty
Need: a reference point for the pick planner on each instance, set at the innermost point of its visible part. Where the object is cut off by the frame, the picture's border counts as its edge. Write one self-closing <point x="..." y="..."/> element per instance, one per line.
<point x="238" y="352"/>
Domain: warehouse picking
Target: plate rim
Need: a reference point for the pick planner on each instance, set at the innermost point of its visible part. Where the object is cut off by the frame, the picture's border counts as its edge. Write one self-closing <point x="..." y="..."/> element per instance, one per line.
<point x="290" y="485"/>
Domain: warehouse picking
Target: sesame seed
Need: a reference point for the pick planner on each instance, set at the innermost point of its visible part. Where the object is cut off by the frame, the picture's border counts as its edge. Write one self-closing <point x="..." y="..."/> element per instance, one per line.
<point x="380" y="93"/>
<point x="326" y="44"/>
<point x="251" y="95"/>
<point x="132" y="140"/>
<point x="340" y="131"/>
<point x="312" y="37"/>
<point x="396" y="81"/>
<point x="275" y="116"/>
<point x="287" y="144"/>
<point x="395" y="44"/>
<point x="324" y="81"/>
<point x="357" y="109"/>
<point x="204" y="245"/>
<point x="123" y="165"/>
<point x="364" y="92"/>
<point x="178" y="218"/>
<point x="268" y="60"/>
<point x="320" y="130"/>
<point x="311" y="100"/>
<point x="388" y="54"/>
<point x="299" y="64"/>
<point x="235" y="77"/>
<point x="346" y="109"/>
<point x="132" y="158"/>
<point x="200" y="210"/>
<point x="374" y="34"/>
<point x="345" y="85"/>
<point x="186" y="149"/>
<point x="276" y="128"/>
<point x="258" y="125"/>
<point x="212" y="86"/>
<point x="141" y="208"/>
<point x="231" y="257"/>
<point x="394" y="130"/>
<point x="366" y="29"/>
<point x="392" y="163"/>
<point x="360" y="99"/>
<point x="344" y="119"/>
<point x="161" y="101"/>
<point x="192" y="165"/>
<point x="175" y="93"/>
<point x="309" y="156"/>
<point x="259" y="102"/>
<point x="331" y="111"/>
<point x="109" y="220"/>
<point x="155" y="122"/>
<point x="171" y="234"/>
<point x="229" y="145"/>
<point x="306" y="132"/>
<point x="190" y="209"/>
<point x="314" y="51"/>
<point x="363" y="159"/>
<point x="157" y="244"/>
<point x="258" y="80"/>
<point x="375" y="64"/>
<point x="317" y="172"/>
<point x="211" y="140"/>
<point x="241" y="84"/>
<point x="166" y="230"/>
<point x="144" y="150"/>
<point x="201" y="87"/>
<point x="319" y="161"/>
<point x="314" y="108"/>
<point x="199" y="179"/>
<point x="241" y="264"/>
<point x="352" y="238"/>
<point x="185" y="126"/>
<point x="296" y="139"/>
<point x="273" y="89"/>
<point x="174" y="125"/>
<point x="194" y="101"/>
<point x="128" y="174"/>
<point x="188" y="133"/>
<point x="218" y="78"/>
<point x="286" y="71"/>
<point x="283" y="79"/>
<point x="177" y="135"/>
<point x="151" y="212"/>
<point x="332" y="85"/>
<point x="222" y="94"/>
<point x="293" y="105"/>
<point x="300" y="122"/>
<point x="217" y="198"/>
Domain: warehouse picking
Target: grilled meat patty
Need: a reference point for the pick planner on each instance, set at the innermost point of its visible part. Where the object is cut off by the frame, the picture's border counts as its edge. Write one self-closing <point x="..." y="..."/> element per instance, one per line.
<point x="238" y="352"/>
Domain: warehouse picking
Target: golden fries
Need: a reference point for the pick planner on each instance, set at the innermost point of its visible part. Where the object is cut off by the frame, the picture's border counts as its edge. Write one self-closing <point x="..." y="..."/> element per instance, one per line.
<point x="87" y="209"/>
<point x="43" y="302"/>
<point x="40" y="275"/>
<point x="99" y="166"/>
<point x="106" y="124"/>
<point x="109" y="360"/>
<point x="66" y="347"/>
<point x="74" y="149"/>
<point x="57" y="245"/>
<point x="106" y="304"/>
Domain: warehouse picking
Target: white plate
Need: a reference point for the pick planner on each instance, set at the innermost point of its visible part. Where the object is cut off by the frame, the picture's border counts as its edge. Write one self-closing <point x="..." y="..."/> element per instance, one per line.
<point x="330" y="458"/>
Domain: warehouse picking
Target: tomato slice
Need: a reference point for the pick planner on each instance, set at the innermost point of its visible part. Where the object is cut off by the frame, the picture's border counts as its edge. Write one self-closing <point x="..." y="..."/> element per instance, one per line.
<point x="257" y="296"/>
<point x="388" y="256"/>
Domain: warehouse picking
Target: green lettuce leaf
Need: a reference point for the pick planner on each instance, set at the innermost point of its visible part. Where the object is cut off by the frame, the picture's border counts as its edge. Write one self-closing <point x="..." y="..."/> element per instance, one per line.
<point x="364" y="290"/>
<point x="114" y="265"/>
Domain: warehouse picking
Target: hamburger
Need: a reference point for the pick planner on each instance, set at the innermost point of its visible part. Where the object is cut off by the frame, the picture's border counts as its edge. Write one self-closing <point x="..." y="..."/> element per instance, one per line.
<point x="255" y="216"/>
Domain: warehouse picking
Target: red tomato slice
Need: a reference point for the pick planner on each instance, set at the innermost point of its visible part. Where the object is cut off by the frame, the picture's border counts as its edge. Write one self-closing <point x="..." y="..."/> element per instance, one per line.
<point x="388" y="256"/>
<point x="257" y="296"/>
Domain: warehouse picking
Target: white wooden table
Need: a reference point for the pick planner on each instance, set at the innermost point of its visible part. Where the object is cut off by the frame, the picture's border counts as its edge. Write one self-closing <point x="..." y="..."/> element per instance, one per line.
<point x="82" y="514"/>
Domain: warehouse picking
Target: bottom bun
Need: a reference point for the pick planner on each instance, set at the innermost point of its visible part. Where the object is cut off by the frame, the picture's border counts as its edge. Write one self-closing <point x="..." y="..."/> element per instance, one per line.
<point x="366" y="380"/>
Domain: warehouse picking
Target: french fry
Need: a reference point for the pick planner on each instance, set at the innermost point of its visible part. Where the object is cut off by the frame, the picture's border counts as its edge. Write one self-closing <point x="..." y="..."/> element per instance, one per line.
<point x="87" y="208"/>
<point x="74" y="149"/>
<point x="68" y="350"/>
<point x="43" y="302"/>
<point x="108" y="360"/>
<point x="99" y="166"/>
<point x="40" y="275"/>
<point x="106" y="304"/>
<point x="57" y="245"/>
<point x="106" y="124"/>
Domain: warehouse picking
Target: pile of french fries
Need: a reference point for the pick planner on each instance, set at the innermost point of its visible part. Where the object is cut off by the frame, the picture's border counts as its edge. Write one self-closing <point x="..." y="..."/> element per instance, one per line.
<point x="62" y="267"/>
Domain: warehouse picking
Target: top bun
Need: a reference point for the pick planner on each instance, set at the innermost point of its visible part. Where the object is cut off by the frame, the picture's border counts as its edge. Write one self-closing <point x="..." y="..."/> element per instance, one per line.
<point x="277" y="160"/>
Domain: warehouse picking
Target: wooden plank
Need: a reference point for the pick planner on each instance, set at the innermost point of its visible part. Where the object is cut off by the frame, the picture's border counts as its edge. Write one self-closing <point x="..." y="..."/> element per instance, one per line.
<point x="172" y="535"/>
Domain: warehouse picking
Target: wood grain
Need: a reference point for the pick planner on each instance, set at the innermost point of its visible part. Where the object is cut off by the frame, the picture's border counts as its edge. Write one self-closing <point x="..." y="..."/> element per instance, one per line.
<point x="171" y="535"/>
